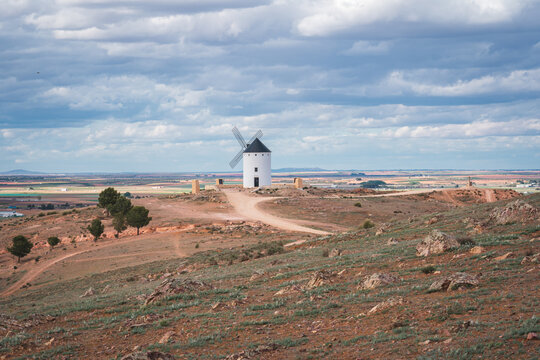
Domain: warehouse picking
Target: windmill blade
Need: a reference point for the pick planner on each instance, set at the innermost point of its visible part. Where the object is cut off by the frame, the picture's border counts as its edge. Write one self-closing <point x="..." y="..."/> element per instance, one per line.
<point x="239" y="137"/>
<point x="258" y="135"/>
<point x="236" y="159"/>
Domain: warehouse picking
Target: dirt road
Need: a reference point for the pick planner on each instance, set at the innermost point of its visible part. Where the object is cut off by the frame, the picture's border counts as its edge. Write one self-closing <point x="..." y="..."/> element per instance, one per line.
<point x="42" y="266"/>
<point x="246" y="206"/>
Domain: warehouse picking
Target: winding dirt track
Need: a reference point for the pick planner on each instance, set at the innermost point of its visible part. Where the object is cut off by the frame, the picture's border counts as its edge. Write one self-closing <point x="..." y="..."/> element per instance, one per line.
<point x="32" y="274"/>
<point x="246" y="206"/>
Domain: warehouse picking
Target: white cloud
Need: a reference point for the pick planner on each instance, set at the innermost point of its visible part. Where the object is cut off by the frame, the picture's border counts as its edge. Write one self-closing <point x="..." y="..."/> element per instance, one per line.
<point x="328" y="16"/>
<point x="368" y="47"/>
<point x="399" y="82"/>
<point x="118" y="92"/>
<point x="483" y="128"/>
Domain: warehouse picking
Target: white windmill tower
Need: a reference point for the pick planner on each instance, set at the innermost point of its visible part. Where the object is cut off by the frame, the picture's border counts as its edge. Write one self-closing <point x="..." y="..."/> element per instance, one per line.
<point x="257" y="164"/>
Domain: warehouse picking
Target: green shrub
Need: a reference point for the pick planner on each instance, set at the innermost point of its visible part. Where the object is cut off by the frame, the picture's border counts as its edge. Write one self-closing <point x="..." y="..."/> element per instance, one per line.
<point x="358" y="204"/>
<point x="368" y="224"/>
<point x="428" y="269"/>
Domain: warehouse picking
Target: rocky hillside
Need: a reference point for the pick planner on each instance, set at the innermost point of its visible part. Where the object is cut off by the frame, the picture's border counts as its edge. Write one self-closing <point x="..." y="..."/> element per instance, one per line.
<point x="459" y="284"/>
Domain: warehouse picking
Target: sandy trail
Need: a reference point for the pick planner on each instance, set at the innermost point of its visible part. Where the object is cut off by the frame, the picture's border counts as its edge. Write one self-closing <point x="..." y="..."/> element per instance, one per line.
<point x="33" y="273"/>
<point x="408" y="192"/>
<point x="246" y="206"/>
<point x="490" y="195"/>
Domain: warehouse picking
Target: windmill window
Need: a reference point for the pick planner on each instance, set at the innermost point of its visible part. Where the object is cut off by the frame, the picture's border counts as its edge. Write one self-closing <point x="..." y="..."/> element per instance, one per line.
<point x="256" y="169"/>
<point x="255" y="154"/>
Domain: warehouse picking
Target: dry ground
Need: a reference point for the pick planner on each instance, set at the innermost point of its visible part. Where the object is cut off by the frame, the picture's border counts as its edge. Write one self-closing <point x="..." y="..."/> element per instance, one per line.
<point x="262" y="300"/>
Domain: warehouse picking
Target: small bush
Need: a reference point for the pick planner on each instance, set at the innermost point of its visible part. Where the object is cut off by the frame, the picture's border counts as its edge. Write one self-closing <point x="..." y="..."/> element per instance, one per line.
<point x="325" y="252"/>
<point x="358" y="204"/>
<point x="197" y="245"/>
<point x="368" y="224"/>
<point x="428" y="269"/>
<point x="41" y="214"/>
<point x="464" y="241"/>
<point x="53" y="241"/>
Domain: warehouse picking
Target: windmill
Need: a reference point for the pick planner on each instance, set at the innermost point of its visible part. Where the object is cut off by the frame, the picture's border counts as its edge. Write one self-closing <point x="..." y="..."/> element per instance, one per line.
<point x="256" y="160"/>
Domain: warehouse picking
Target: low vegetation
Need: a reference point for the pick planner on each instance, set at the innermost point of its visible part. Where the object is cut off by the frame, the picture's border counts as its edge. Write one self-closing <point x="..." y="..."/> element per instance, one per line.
<point x="375" y="298"/>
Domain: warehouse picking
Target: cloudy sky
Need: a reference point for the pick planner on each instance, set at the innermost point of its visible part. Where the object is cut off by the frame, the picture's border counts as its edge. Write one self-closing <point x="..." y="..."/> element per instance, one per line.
<point x="138" y="85"/>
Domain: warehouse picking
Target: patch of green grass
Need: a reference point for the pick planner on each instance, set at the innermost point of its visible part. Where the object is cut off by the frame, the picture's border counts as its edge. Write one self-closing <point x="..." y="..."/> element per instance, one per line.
<point x="290" y="342"/>
<point x="56" y="330"/>
<point x="525" y="326"/>
<point x="206" y="340"/>
<point x="63" y="351"/>
<point x="10" y="341"/>
<point x="307" y="312"/>
<point x="138" y="330"/>
<point x="402" y="333"/>
<point x="268" y="306"/>
<point x="462" y="353"/>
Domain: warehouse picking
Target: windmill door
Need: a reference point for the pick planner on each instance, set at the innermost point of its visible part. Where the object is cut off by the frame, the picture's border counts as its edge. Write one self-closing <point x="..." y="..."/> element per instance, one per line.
<point x="256" y="182"/>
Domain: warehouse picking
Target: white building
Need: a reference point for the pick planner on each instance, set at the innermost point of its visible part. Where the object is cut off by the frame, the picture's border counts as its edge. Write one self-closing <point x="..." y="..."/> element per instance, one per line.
<point x="257" y="165"/>
<point x="8" y="214"/>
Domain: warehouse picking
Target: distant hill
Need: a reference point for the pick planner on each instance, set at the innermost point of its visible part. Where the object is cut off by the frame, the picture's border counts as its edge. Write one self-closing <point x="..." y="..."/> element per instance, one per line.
<point x="298" y="170"/>
<point x="21" y="172"/>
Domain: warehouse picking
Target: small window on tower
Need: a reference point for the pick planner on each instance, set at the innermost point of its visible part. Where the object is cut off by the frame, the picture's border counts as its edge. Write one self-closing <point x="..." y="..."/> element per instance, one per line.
<point x="256" y="169"/>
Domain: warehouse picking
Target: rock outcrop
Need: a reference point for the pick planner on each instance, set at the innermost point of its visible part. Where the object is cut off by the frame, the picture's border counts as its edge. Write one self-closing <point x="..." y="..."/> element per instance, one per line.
<point x="387" y="304"/>
<point x="435" y="243"/>
<point x="378" y="279"/>
<point x="516" y="211"/>
<point x="454" y="282"/>
<point x="176" y="286"/>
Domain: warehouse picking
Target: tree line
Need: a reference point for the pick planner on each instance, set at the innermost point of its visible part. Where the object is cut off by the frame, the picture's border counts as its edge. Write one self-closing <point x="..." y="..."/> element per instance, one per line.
<point x="116" y="205"/>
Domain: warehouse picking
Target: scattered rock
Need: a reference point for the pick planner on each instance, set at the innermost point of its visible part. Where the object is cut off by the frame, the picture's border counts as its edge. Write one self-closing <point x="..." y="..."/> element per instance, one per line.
<point x="378" y="279"/>
<point x="436" y="243"/>
<point x="516" y="211"/>
<point x="320" y="278"/>
<point x="150" y="355"/>
<point x="176" y="286"/>
<point x="166" y="275"/>
<point x="505" y="256"/>
<point x="334" y="252"/>
<point x="477" y="250"/>
<point x="454" y="282"/>
<point x="464" y="325"/>
<point x="289" y="290"/>
<point x="533" y="259"/>
<point x="166" y="337"/>
<point x="388" y="303"/>
<point x="89" y="292"/>
<point x="391" y="241"/>
<point x="532" y="336"/>
<point x="106" y="289"/>
<point x="252" y="353"/>
<point x="432" y="221"/>
<point x="217" y="306"/>
<point x="425" y="342"/>
<point x="256" y="275"/>
<point x="48" y="343"/>
<point x="8" y="323"/>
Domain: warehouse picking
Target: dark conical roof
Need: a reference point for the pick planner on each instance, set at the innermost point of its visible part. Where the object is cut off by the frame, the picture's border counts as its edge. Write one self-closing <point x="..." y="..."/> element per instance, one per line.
<point x="257" y="147"/>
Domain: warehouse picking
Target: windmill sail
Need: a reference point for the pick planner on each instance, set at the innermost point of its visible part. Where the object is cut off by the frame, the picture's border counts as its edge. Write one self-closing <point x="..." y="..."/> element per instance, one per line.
<point x="257" y="135"/>
<point x="239" y="137"/>
<point x="236" y="159"/>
